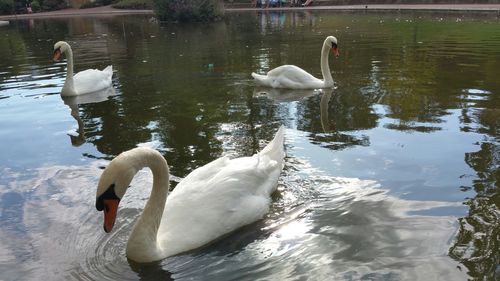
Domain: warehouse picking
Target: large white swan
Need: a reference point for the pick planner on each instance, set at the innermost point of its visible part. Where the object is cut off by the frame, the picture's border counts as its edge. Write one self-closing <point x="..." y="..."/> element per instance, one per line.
<point x="294" y="77"/>
<point x="86" y="81"/>
<point x="211" y="201"/>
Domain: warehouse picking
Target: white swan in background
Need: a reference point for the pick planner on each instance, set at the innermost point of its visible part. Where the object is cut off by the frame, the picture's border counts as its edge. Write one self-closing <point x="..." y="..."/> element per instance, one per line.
<point x="86" y="81"/>
<point x="294" y="77"/>
<point x="211" y="201"/>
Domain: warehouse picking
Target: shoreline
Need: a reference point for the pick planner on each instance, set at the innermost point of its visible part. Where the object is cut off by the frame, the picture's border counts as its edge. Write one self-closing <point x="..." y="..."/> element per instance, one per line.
<point x="389" y="7"/>
<point x="109" y="11"/>
<point x="72" y="12"/>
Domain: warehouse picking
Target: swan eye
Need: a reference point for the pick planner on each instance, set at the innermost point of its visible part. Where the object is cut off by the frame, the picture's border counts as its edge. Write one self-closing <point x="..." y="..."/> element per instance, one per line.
<point x="334" y="46"/>
<point x="57" y="54"/>
<point x="108" y="194"/>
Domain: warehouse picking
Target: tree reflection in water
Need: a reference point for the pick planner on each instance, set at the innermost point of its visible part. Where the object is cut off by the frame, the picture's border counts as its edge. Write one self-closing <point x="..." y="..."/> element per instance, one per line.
<point x="478" y="241"/>
<point x="397" y="78"/>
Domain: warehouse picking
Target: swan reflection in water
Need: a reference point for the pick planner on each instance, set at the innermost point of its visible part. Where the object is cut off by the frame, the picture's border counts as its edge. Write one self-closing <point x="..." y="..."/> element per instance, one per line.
<point x="323" y="109"/>
<point x="284" y="95"/>
<point x="291" y="95"/>
<point x="74" y="101"/>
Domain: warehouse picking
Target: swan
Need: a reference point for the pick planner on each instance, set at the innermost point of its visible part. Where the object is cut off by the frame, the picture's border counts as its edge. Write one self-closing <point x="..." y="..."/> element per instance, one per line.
<point x="86" y="81"/>
<point x="211" y="201"/>
<point x="294" y="77"/>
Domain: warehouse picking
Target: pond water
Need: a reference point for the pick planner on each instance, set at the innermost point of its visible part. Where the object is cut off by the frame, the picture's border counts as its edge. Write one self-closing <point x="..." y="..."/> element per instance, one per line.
<point x="391" y="175"/>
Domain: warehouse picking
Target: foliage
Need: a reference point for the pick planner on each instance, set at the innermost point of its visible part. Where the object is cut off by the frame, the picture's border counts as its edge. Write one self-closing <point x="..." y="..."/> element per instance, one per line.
<point x="90" y="4"/>
<point x="50" y="5"/>
<point x="95" y="3"/>
<point x="133" y="4"/>
<point x="18" y="6"/>
<point x="6" y="6"/>
<point x="35" y="6"/>
<point x="188" y="10"/>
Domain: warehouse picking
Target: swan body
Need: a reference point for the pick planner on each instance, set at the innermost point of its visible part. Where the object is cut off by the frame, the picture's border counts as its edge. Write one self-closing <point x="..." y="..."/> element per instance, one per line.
<point x="211" y="201"/>
<point x="86" y="81"/>
<point x="294" y="77"/>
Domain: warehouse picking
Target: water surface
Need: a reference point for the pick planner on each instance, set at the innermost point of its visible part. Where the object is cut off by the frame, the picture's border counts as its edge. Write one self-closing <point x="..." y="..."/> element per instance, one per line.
<point x="392" y="175"/>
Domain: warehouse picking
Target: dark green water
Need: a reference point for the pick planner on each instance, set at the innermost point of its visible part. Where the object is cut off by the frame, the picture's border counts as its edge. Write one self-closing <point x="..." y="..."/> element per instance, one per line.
<point x="392" y="175"/>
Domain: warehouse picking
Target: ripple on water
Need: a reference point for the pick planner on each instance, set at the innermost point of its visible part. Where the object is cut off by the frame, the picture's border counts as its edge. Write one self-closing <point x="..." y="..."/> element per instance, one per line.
<point x="45" y="81"/>
<point x="319" y="226"/>
<point x="63" y="232"/>
<point x="475" y="94"/>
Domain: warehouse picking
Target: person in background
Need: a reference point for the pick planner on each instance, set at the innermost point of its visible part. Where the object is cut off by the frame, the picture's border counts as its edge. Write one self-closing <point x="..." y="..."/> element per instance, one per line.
<point x="272" y="3"/>
<point x="307" y="3"/>
<point x="28" y="8"/>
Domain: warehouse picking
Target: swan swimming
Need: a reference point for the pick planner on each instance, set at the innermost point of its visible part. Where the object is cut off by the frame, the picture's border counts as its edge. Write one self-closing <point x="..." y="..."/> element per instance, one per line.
<point x="86" y="81"/>
<point x="211" y="201"/>
<point x="294" y="77"/>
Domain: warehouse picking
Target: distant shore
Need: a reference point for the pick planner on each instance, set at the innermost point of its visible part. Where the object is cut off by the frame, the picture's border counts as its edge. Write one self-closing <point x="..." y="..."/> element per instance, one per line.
<point x="109" y="11"/>
<point x="72" y="12"/>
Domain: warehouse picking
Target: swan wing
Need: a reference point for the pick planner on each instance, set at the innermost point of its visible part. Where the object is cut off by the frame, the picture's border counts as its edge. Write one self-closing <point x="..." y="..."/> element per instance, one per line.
<point x="290" y="77"/>
<point x="220" y="197"/>
<point x="92" y="80"/>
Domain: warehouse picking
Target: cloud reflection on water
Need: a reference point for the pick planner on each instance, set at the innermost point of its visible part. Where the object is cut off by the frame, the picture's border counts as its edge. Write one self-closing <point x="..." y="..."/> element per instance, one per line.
<point x="320" y="226"/>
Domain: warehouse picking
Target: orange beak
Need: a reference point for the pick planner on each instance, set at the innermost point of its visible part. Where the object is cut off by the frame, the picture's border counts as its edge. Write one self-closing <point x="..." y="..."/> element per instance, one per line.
<point x="57" y="55"/>
<point x="335" y="51"/>
<point x="110" y="210"/>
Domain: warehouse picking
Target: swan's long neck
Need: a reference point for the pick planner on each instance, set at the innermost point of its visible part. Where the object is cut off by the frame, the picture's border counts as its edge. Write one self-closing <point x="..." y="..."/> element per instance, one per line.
<point x="69" y="72"/>
<point x="142" y="243"/>
<point x="325" y="68"/>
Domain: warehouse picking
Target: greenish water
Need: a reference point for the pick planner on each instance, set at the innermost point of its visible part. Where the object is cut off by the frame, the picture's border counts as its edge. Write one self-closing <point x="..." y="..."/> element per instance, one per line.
<point x="392" y="175"/>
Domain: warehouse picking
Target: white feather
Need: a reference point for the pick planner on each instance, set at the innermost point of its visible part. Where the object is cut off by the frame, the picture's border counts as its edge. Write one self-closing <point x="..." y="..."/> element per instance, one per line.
<point x="86" y="81"/>
<point x="294" y="77"/>
<point x="211" y="201"/>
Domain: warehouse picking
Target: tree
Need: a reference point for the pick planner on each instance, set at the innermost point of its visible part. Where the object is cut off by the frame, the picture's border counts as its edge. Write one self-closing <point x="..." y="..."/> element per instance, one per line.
<point x="188" y="10"/>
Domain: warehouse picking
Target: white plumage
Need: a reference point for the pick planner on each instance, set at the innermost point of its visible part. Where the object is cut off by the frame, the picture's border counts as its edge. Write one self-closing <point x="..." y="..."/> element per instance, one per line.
<point x="211" y="201"/>
<point x="294" y="77"/>
<point x="86" y="81"/>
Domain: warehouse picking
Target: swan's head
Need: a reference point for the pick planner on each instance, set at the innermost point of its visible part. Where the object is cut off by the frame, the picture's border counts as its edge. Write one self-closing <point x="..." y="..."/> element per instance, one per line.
<point x="331" y="41"/>
<point x="112" y="186"/>
<point x="59" y="48"/>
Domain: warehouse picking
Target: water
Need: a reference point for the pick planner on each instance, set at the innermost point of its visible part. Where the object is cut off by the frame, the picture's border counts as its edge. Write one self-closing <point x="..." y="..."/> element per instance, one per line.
<point x="392" y="175"/>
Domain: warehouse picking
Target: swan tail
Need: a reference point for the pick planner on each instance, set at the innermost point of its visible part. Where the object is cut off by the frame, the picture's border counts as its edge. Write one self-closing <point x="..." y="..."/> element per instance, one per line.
<point x="275" y="149"/>
<point x="109" y="70"/>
